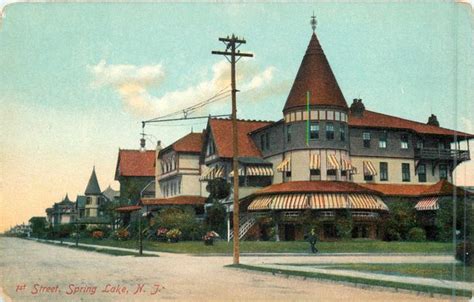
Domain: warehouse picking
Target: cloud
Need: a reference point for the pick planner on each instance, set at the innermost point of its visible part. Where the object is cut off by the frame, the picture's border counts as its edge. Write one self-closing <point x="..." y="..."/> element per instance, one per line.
<point x="133" y="84"/>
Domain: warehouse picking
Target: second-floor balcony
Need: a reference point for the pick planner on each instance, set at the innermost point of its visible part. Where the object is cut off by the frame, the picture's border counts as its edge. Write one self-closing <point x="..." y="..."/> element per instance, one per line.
<point x="442" y="154"/>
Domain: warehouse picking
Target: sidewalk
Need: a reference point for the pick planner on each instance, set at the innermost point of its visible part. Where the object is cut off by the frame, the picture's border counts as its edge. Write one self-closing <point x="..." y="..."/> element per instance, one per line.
<point x="372" y="276"/>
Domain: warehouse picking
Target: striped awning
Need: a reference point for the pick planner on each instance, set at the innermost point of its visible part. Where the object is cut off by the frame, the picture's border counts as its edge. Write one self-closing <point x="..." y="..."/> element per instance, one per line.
<point x="366" y="201"/>
<point x="285" y="165"/>
<point x="215" y="172"/>
<point x="241" y="172"/>
<point x="315" y="162"/>
<point x="289" y="202"/>
<point x="346" y="165"/>
<point x="327" y="201"/>
<point x="332" y="162"/>
<point x="318" y="201"/>
<point x="260" y="203"/>
<point x="427" y="204"/>
<point x="369" y="168"/>
<point x="259" y="171"/>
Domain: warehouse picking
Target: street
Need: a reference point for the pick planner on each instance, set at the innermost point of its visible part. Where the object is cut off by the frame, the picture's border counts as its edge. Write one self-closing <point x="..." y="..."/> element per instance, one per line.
<point x="31" y="271"/>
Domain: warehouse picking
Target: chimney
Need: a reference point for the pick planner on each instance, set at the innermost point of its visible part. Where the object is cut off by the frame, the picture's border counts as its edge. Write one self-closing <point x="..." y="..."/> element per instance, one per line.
<point x="433" y="120"/>
<point x="357" y="108"/>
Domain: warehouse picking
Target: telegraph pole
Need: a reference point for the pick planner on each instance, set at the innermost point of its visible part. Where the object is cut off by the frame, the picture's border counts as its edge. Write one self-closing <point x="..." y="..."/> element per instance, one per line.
<point x="231" y="54"/>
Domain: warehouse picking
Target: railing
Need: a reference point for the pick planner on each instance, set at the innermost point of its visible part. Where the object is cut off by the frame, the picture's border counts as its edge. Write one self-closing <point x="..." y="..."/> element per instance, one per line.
<point x="446" y="154"/>
<point x="246" y="223"/>
<point x="360" y="214"/>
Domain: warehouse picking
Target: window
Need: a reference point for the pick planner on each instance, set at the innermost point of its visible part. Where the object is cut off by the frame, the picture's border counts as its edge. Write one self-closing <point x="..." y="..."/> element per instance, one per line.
<point x="383" y="140"/>
<point x="404" y="141"/>
<point x="211" y="148"/>
<point x="443" y="172"/>
<point x="405" y="172"/>
<point x="262" y="142"/>
<point x="314" y="131"/>
<point x="368" y="177"/>
<point x="421" y="173"/>
<point x="342" y="132"/>
<point x="383" y="171"/>
<point x="267" y="140"/>
<point x="88" y="200"/>
<point x="288" y="133"/>
<point x="329" y="131"/>
<point x="315" y="174"/>
<point x="366" y="139"/>
<point x="287" y="176"/>
<point x="420" y="144"/>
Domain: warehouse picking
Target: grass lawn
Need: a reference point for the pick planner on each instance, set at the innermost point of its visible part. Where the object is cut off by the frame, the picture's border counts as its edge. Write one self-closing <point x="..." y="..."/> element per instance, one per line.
<point x="356" y="280"/>
<point x="441" y="271"/>
<point x="223" y="247"/>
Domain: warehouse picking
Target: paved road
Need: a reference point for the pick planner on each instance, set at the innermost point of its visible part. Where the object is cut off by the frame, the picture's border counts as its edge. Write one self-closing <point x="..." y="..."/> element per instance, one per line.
<point x="52" y="273"/>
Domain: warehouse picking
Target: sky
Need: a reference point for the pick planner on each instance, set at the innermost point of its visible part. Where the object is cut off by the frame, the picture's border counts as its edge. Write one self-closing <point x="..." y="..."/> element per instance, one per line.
<point x="77" y="79"/>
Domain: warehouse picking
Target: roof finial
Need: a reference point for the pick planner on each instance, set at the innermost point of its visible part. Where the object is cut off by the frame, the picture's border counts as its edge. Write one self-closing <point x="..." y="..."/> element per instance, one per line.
<point x="313" y="22"/>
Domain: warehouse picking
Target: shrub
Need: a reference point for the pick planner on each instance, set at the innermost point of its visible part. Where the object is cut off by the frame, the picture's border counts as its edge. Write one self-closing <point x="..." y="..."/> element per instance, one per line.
<point x="402" y="218"/>
<point x="184" y="220"/>
<point x="464" y="252"/>
<point x="416" y="234"/>
<point x="174" y="235"/>
<point x="121" y="234"/>
<point x="97" y="234"/>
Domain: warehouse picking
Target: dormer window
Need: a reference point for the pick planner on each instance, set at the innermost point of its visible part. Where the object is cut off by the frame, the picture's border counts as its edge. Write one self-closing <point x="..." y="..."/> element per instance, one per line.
<point x="404" y="141"/>
<point x="211" y="148"/>
<point x="383" y="140"/>
<point x="366" y="139"/>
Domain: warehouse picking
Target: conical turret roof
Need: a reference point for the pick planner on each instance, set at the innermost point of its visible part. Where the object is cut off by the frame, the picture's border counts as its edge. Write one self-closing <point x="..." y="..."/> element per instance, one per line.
<point x="93" y="185"/>
<point x="315" y="75"/>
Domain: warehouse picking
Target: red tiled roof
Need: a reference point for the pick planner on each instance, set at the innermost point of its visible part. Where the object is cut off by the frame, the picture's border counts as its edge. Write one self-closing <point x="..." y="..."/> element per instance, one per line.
<point x="315" y="186"/>
<point x="379" y="120"/>
<point x="403" y="190"/>
<point x="222" y="133"/>
<point x="127" y="209"/>
<point x="135" y="163"/>
<point x="190" y="143"/>
<point x="444" y="188"/>
<point x="441" y="188"/>
<point x="177" y="200"/>
<point x="315" y="75"/>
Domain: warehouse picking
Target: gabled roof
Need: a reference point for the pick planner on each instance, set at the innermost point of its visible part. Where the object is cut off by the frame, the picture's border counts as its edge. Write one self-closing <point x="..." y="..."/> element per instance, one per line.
<point x="190" y="143"/>
<point x="93" y="185"/>
<point x="378" y="120"/>
<point x="177" y="200"/>
<point x="315" y="187"/>
<point x="111" y="193"/>
<point x="315" y="75"/>
<point x="135" y="163"/>
<point x="221" y="130"/>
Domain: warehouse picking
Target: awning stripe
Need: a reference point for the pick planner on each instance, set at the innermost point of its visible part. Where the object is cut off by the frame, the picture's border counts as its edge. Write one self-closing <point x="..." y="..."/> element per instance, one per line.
<point x="259" y="171"/>
<point x="369" y="168"/>
<point x="346" y="165"/>
<point x="427" y="204"/>
<point x="241" y="172"/>
<point x="285" y="165"/>
<point x="315" y="162"/>
<point x="332" y="162"/>
<point x="366" y="201"/>
<point x="215" y="172"/>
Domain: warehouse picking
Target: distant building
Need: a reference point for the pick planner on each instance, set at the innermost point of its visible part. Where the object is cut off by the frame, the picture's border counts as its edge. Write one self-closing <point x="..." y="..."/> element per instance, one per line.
<point x="135" y="171"/>
<point x="62" y="212"/>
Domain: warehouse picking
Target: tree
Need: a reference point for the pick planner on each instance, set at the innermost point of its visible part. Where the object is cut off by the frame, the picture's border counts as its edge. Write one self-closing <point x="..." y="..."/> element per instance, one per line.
<point x="402" y="218"/>
<point x="216" y="218"/>
<point x="38" y="226"/>
<point x="464" y="219"/>
<point x="218" y="189"/>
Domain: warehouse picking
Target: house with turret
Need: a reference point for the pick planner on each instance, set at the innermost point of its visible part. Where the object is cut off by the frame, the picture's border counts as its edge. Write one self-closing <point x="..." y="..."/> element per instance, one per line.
<point x="325" y="158"/>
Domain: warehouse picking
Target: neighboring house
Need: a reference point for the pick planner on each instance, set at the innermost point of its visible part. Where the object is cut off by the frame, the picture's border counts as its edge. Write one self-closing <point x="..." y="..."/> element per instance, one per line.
<point x="135" y="170"/>
<point x="177" y="172"/>
<point x="111" y="194"/>
<point x="323" y="160"/>
<point x="62" y="212"/>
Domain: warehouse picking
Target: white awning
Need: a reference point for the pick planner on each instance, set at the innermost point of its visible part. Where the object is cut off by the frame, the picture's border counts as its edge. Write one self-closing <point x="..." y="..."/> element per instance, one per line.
<point x="366" y="201"/>
<point x="427" y="204"/>
<point x="215" y="172"/>
<point x="285" y="165"/>
<point x="346" y="165"/>
<point x="315" y="162"/>
<point x="241" y="172"/>
<point x="259" y="171"/>
<point x="332" y="162"/>
<point x="289" y="202"/>
<point x="369" y="168"/>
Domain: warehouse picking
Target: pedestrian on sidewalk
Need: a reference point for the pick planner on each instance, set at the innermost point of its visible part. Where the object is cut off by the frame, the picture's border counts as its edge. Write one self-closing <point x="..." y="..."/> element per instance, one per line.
<point x="312" y="241"/>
